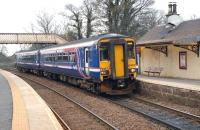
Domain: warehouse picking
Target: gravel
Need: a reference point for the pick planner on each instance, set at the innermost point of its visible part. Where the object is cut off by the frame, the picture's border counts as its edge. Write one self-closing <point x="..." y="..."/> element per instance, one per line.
<point x="73" y="115"/>
<point x="192" y="110"/>
<point x="118" y="116"/>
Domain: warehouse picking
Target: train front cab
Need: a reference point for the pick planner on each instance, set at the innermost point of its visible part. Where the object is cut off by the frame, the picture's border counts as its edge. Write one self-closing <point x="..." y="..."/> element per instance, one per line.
<point x="117" y="65"/>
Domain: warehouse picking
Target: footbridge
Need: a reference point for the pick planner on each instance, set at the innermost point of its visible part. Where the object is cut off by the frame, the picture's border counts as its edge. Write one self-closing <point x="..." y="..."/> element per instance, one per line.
<point x="30" y="38"/>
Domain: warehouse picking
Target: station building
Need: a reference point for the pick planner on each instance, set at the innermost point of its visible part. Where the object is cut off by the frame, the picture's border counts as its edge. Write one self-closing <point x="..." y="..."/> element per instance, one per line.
<point x="172" y="48"/>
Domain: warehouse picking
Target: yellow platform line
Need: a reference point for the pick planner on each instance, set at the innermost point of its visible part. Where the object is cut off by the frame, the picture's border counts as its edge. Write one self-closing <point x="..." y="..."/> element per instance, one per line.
<point x="20" y="119"/>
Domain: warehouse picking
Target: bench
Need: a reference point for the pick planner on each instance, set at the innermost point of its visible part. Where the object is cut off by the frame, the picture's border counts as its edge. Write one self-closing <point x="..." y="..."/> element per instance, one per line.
<point x="154" y="70"/>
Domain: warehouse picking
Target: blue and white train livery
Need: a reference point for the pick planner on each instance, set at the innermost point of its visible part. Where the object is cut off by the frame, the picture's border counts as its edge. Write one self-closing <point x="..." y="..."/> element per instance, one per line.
<point x="102" y="64"/>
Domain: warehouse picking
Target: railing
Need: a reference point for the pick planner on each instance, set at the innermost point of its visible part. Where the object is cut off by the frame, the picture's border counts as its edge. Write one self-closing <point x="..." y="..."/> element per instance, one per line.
<point x="30" y="38"/>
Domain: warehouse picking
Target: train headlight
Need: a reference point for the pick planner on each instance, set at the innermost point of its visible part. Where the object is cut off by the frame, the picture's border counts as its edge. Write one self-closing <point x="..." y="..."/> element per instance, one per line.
<point x="132" y="70"/>
<point x="104" y="72"/>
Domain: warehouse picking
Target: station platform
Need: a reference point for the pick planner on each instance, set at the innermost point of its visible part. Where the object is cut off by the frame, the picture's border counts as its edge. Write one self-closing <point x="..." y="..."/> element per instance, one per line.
<point x="173" y="82"/>
<point x="184" y="91"/>
<point x="21" y="108"/>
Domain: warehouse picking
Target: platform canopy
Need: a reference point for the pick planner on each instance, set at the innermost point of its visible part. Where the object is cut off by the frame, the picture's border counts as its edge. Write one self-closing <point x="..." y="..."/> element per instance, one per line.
<point x="186" y="35"/>
<point x="30" y="38"/>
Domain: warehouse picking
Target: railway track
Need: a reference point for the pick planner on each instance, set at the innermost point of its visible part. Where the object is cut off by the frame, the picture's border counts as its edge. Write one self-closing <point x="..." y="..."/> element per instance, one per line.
<point x="172" y="118"/>
<point x="62" y="122"/>
<point x="188" y="115"/>
<point x="94" y="116"/>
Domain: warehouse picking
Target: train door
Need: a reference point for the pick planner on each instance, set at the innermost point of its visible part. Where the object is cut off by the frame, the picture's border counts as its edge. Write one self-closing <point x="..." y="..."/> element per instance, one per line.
<point x="86" y="61"/>
<point x="119" y="60"/>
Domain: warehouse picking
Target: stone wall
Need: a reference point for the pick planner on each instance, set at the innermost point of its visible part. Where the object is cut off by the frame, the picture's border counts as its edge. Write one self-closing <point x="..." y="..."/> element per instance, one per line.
<point x="176" y="95"/>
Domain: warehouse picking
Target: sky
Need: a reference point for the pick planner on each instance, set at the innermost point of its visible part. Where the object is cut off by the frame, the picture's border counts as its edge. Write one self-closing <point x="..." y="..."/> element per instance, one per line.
<point x="16" y="16"/>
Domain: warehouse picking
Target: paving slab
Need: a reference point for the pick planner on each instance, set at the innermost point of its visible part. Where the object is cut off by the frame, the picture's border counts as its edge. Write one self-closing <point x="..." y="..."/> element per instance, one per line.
<point x="30" y="111"/>
<point x="6" y="107"/>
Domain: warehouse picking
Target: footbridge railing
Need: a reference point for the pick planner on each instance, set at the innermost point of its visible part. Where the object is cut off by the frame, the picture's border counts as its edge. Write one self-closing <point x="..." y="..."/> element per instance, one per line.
<point x="30" y="38"/>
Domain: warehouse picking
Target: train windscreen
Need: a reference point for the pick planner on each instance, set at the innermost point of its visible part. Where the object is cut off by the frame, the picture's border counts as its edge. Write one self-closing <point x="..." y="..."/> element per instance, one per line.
<point x="104" y="53"/>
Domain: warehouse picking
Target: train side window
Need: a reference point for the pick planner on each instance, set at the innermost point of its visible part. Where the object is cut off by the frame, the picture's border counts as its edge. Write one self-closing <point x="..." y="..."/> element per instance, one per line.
<point x="104" y="53"/>
<point x="70" y="57"/>
<point x="54" y="57"/>
<point x="50" y="58"/>
<point x="73" y="57"/>
<point x="46" y="58"/>
<point x="65" y="58"/>
<point x="87" y="56"/>
<point x="59" y="58"/>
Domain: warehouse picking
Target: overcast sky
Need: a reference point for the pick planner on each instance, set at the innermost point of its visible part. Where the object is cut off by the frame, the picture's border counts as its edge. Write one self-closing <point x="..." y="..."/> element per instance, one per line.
<point x="17" y="15"/>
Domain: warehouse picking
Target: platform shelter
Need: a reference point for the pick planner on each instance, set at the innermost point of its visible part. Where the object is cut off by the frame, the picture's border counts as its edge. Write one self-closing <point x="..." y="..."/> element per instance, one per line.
<point x="171" y="49"/>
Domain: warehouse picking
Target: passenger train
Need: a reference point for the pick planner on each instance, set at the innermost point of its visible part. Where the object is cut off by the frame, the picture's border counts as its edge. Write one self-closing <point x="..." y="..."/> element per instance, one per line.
<point x="102" y="64"/>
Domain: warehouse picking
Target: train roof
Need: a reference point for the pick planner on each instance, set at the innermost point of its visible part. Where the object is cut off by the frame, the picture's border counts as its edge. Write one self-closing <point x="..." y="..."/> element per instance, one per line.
<point x="93" y="38"/>
<point x="77" y="43"/>
<point x="83" y="42"/>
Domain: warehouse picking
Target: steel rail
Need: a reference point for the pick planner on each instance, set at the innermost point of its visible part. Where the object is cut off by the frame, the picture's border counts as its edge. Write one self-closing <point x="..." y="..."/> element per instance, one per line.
<point x="70" y="99"/>
<point x="189" y="115"/>
<point x="145" y="115"/>
<point x="184" y="114"/>
<point x="66" y="127"/>
<point x="170" y="125"/>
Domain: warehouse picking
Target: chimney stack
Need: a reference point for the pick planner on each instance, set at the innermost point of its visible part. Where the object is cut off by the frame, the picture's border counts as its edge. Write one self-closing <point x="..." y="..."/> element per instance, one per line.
<point x="173" y="19"/>
<point x="172" y="9"/>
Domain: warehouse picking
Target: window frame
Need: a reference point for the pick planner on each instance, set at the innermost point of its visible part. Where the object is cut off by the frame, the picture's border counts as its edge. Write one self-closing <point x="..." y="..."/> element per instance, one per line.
<point x="181" y="54"/>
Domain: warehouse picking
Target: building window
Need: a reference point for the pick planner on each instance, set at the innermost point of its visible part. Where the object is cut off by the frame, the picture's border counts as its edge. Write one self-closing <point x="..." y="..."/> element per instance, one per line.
<point x="183" y="60"/>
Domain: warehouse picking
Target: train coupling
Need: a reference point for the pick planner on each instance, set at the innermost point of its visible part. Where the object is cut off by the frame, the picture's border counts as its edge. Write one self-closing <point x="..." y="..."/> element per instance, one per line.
<point x="121" y="83"/>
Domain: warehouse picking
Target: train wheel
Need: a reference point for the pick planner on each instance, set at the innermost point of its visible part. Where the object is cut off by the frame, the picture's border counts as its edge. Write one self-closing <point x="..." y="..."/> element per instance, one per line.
<point x="40" y="73"/>
<point x="98" y="89"/>
<point x="54" y="76"/>
<point x="92" y="89"/>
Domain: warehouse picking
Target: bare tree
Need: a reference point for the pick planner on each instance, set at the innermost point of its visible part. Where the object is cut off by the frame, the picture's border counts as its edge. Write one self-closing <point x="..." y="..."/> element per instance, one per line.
<point x="129" y="17"/>
<point x="32" y="28"/>
<point x="71" y="35"/>
<point x="122" y="14"/>
<point x="3" y="49"/>
<point x="45" y="22"/>
<point x="147" y="20"/>
<point x="193" y="17"/>
<point x="76" y="19"/>
<point x="90" y="14"/>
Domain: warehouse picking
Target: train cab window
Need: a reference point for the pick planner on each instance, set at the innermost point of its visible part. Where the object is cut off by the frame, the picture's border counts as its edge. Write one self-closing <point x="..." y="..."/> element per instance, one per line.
<point x="131" y="51"/>
<point x="104" y="53"/>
